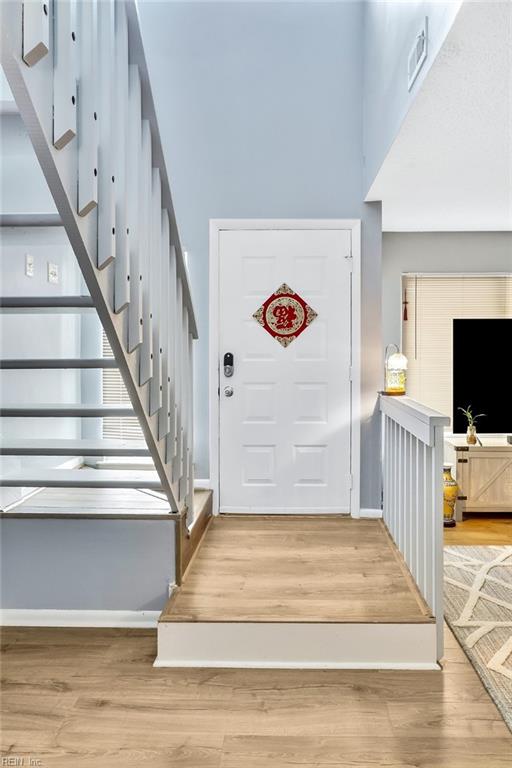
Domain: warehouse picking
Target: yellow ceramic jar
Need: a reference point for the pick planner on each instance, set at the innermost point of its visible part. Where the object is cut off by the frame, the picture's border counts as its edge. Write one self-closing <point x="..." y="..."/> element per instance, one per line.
<point x="450" y="493"/>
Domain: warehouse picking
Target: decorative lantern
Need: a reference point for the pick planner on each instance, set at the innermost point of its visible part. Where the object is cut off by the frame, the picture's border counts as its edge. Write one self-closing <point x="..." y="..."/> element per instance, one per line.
<point x="395" y="371"/>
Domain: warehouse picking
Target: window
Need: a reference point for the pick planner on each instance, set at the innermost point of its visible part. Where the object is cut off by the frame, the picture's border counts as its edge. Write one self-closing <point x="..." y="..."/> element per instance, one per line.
<point x="114" y="392"/>
<point x="433" y="301"/>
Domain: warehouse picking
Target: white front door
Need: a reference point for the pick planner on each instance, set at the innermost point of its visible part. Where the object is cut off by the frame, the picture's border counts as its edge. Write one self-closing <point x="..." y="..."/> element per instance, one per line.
<point x="285" y="413"/>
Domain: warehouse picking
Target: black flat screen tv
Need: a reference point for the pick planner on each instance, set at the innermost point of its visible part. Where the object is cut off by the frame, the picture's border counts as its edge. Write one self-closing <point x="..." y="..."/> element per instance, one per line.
<point x="482" y="374"/>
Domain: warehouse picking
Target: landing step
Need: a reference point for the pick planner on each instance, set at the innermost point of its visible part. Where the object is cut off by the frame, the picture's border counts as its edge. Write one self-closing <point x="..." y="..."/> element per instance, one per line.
<point x="296" y="592"/>
<point x="71" y="362"/>
<point x="73" y="448"/>
<point x="45" y="303"/>
<point x="68" y="410"/>
<point x="80" y="478"/>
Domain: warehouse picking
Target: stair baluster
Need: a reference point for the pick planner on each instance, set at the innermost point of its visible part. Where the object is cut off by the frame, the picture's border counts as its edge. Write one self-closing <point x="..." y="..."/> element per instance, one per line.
<point x="134" y="136"/>
<point x="106" y="181"/>
<point x="122" y="260"/>
<point x="87" y="133"/>
<point x="146" y="350"/>
<point x="64" y="74"/>
<point x="164" y="414"/>
<point x="155" y="385"/>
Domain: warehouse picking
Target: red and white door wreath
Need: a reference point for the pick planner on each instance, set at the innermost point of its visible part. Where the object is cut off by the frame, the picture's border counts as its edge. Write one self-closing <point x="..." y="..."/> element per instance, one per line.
<point x="285" y="315"/>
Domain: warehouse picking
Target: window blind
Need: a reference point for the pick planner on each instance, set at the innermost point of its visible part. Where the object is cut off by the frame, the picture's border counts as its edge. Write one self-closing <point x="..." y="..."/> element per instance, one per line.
<point x="114" y="392"/>
<point x="433" y="302"/>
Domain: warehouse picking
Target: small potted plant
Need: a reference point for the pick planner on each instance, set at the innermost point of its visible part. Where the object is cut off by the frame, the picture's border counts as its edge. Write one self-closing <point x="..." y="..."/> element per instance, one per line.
<point x="471" y="437"/>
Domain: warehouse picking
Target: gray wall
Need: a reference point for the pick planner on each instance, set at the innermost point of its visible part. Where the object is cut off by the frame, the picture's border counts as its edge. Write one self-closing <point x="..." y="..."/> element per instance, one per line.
<point x="260" y="113"/>
<point x="390" y="29"/>
<point x="86" y="564"/>
<point x="23" y="187"/>
<point x="435" y="252"/>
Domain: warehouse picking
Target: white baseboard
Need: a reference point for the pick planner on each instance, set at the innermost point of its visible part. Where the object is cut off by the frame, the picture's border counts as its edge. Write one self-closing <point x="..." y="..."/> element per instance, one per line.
<point x="374" y="514"/>
<point x="13" y="617"/>
<point x="362" y="665"/>
<point x="204" y="485"/>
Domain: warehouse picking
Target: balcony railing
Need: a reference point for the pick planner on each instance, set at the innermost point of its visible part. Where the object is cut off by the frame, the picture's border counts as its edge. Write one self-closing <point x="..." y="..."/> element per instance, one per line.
<point x="412" y="447"/>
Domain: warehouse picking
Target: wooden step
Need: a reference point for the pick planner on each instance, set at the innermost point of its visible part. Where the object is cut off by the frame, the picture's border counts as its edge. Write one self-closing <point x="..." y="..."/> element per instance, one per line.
<point x="45" y="303"/>
<point x="79" y="478"/>
<point x="71" y="362"/>
<point x="67" y="447"/>
<point x="69" y="410"/>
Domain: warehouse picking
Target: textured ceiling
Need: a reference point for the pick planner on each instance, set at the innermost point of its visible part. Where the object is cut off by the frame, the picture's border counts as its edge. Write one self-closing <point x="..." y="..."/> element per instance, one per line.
<point x="450" y="168"/>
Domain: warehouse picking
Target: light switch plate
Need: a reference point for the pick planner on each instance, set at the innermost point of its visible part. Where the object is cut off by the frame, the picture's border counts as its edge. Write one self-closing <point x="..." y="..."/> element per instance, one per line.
<point x="29" y="265"/>
<point x="53" y="273"/>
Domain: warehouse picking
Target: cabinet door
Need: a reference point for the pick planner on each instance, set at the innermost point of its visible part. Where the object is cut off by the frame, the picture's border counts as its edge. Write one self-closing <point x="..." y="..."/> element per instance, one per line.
<point x="487" y="482"/>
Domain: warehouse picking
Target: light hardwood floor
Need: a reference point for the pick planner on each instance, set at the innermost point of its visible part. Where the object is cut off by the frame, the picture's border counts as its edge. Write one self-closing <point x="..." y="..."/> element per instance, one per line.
<point x="257" y="568"/>
<point x="481" y="530"/>
<point x="89" y="698"/>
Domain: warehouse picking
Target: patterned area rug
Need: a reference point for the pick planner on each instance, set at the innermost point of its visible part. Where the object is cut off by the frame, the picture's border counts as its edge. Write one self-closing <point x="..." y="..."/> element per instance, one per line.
<point x="478" y="608"/>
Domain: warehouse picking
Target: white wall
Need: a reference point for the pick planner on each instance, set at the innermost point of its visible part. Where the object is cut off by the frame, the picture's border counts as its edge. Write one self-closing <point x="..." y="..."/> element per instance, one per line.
<point x="390" y="29"/>
<point x="435" y="252"/>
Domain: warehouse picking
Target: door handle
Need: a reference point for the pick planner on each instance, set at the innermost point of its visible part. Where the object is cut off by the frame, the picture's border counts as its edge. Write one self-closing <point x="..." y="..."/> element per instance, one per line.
<point x="228" y="391"/>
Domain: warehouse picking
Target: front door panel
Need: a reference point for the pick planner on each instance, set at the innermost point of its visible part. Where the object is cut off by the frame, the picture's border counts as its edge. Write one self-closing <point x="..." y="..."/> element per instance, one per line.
<point x="285" y="405"/>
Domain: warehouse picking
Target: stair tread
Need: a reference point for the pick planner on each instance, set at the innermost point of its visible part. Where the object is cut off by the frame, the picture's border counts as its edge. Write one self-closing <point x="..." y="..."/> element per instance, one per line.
<point x="30" y="219"/>
<point x="51" y="362"/>
<point x="66" y="409"/>
<point x="46" y="301"/>
<point x="80" y="478"/>
<point x="69" y="447"/>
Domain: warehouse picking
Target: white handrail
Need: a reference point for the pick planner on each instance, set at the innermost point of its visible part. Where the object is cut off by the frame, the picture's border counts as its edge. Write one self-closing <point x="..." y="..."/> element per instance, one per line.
<point x="412" y="461"/>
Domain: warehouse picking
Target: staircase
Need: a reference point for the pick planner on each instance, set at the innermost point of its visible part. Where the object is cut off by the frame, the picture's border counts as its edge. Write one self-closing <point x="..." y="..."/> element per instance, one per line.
<point x="79" y="78"/>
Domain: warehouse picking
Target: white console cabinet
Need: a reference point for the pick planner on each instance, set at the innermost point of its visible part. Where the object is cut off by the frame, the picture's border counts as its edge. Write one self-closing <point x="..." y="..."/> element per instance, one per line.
<point x="483" y="472"/>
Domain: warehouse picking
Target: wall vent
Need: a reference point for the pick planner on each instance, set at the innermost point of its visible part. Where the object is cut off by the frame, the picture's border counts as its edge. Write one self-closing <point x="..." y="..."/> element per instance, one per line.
<point x="417" y="54"/>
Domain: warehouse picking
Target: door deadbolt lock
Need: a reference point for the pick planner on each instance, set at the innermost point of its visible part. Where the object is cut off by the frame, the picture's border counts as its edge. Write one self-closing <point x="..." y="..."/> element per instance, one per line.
<point x="229" y="367"/>
<point x="228" y="391"/>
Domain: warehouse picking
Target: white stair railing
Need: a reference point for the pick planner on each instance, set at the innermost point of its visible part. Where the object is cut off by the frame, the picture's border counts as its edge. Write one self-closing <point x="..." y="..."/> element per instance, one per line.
<point x="78" y="74"/>
<point x="412" y="448"/>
